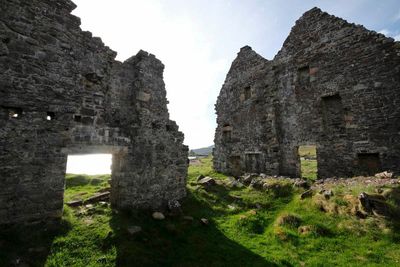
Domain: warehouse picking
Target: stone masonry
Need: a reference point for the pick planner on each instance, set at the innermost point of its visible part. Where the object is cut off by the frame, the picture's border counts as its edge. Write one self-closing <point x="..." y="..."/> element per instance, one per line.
<point x="333" y="84"/>
<point x="62" y="92"/>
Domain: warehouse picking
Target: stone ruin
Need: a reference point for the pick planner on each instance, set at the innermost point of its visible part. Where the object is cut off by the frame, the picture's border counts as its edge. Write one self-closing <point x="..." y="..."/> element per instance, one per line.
<point x="62" y="92"/>
<point x="333" y="84"/>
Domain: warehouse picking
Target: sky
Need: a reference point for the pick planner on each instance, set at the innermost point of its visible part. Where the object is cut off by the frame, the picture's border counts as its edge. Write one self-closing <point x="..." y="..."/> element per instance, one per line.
<point x="198" y="40"/>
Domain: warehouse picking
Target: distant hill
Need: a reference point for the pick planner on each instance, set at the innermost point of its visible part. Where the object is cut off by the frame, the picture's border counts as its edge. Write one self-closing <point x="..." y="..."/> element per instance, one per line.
<point x="204" y="151"/>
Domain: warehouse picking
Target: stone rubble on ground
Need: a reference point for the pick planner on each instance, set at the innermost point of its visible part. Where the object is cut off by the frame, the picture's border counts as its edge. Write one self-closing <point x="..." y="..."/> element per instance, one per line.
<point x="158" y="216"/>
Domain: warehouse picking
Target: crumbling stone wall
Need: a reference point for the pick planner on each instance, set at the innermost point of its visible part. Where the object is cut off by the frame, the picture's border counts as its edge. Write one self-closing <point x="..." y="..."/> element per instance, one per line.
<point x="62" y="92"/>
<point x="333" y="84"/>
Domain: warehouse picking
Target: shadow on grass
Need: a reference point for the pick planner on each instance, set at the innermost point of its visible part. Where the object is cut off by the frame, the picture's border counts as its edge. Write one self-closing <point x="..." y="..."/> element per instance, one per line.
<point x="29" y="245"/>
<point x="178" y="242"/>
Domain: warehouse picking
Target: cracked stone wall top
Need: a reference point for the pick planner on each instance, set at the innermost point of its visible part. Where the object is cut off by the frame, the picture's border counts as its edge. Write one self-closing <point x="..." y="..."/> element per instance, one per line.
<point x="333" y="84"/>
<point x="51" y="69"/>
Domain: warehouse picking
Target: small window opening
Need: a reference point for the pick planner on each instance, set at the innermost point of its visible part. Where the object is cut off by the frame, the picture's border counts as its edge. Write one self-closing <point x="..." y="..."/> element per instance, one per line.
<point x="369" y="163"/>
<point x="77" y="118"/>
<point x="303" y="75"/>
<point x="14" y="113"/>
<point x="308" y="162"/>
<point x="247" y="93"/>
<point x="50" y="116"/>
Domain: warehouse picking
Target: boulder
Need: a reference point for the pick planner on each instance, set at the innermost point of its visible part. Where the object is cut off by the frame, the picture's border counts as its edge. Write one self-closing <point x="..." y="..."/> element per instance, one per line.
<point x="75" y="203"/>
<point x="174" y="207"/>
<point x="134" y="229"/>
<point x="104" y="196"/>
<point x="207" y="181"/>
<point x="158" y="216"/>
<point x="375" y="204"/>
<point x="384" y="175"/>
<point x="257" y="183"/>
<point x="247" y="178"/>
<point x="302" y="184"/>
<point x="307" y="194"/>
<point x="326" y="193"/>
<point x="204" y="221"/>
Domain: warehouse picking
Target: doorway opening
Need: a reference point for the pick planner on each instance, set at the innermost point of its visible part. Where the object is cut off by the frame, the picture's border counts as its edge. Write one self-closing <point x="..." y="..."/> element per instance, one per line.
<point x="88" y="180"/>
<point x="308" y="162"/>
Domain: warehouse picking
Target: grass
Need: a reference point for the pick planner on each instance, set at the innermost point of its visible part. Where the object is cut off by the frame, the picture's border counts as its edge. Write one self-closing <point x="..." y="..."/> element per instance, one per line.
<point x="308" y="161"/>
<point x="247" y="228"/>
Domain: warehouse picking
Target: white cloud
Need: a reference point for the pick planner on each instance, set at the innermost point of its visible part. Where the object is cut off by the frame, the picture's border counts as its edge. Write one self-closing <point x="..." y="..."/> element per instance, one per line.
<point x="397" y="37"/>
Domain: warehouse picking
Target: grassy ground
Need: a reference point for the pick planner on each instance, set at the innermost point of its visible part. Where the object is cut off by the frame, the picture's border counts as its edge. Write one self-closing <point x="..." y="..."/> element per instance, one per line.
<point x="247" y="228"/>
<point x="308" y="161"/>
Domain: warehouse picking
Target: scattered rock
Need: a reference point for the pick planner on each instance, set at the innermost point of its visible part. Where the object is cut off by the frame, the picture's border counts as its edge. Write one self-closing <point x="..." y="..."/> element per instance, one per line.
<point x="247" y="178"/>
<point x="302" y="184"/>
<point x="231" y="207"/>
<point x="98" y="197"/>
<point x="204" y="221"/>
<point x="207" y="181"/>
<point x="233" y="183"/>
<point x="384" y="175"/>
<point x="374" y="203"/>
<point x="134" y="229"/>
<point x="257" y="183"/>
<point x="327" y="194"/>
<point x="158" y="216"/>
<point x="103" y="203"/>
<point x="175" y="207"/>
<point x="361" y="214"/>
<point x="89" y="206"/>
<point x="75" y="203"/>
<point x="307" y="194"/>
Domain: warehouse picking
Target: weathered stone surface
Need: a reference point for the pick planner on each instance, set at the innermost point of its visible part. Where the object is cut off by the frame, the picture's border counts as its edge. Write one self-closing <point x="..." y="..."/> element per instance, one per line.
<point x="158" y="216"/>
<point x="306" y="194"/>
<point x="207" y="181"/>
<point x="333" y="84"/>
<point x="62" y="92"/>
<point x="134" y="229"/>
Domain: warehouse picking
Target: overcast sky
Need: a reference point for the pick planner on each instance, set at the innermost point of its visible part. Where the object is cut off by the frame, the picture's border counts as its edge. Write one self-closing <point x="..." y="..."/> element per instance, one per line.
<point x="198" y="40"/>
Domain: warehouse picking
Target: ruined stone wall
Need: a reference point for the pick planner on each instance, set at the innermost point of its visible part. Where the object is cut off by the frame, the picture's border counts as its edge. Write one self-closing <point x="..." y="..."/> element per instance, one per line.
<point x="246" y="139"/>
<point x="50" y="68"/>
<point x="335" y="85"/>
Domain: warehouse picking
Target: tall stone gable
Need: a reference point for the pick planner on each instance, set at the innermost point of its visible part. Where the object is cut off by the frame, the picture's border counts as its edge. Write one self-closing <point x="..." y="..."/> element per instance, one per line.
<point x="333" y="84"/>
<point x="62" y="92"/>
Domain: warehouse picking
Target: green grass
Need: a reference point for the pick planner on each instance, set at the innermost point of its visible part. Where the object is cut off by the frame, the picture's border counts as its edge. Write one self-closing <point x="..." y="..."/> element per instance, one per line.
<point x="309" y="166"/>
<point x="247" y="228"/>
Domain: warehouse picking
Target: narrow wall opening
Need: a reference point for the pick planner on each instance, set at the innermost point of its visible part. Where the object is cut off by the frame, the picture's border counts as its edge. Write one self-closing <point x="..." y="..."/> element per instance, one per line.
<point x="308" y="161"/>
<point x="88" y="180"/>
